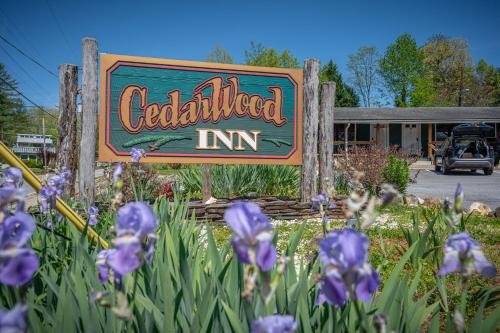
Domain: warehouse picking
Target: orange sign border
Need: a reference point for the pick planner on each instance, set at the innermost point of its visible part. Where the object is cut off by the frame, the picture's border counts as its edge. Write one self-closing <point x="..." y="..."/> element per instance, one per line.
<point x="107" y="155"/>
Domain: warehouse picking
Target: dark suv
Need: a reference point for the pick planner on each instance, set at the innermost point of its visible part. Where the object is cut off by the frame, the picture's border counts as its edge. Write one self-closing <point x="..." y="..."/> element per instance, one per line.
<point x="467" y="148"/>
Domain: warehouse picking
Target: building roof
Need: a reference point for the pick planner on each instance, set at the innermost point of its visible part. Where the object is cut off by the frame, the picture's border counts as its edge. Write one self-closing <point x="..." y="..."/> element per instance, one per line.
<point x="418" y="115"/>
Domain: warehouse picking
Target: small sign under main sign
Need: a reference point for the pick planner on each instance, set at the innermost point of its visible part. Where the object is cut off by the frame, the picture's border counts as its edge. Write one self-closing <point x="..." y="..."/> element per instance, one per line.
<point x="196" y="112"/>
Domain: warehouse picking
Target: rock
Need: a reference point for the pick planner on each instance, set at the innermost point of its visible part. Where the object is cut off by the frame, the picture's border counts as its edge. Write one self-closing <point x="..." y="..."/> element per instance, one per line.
<point x="480" y="208"/>
<point x="210" y="201"/>
<point x="432" y="202"/>
<point x="412" y="200"/>
<point x="497" y="212"/>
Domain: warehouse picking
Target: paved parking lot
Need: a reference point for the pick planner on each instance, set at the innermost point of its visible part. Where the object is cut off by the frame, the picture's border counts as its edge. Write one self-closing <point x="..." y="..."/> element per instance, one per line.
<point x="477" y="186"/>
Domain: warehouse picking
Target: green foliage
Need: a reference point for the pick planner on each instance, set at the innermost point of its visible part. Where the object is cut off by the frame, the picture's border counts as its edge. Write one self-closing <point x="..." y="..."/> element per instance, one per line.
<point x="424" y="93"/>
<point x="195" y="284"/>
<point x="397" y="173"/>
<point x="13" y="118"/>
<point x="488" y="81"/>
<point x="259" y="55"/>
<point x="34" y="164"/>
<point x="344" y="94"/>
<point x="230" y="181"/>
<point x="401" y="66"/>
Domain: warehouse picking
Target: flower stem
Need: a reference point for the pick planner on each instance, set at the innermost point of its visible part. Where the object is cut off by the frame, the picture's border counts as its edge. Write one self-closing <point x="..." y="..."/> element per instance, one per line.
<point x="361" y="316"/>
<point x="463" y="298"/>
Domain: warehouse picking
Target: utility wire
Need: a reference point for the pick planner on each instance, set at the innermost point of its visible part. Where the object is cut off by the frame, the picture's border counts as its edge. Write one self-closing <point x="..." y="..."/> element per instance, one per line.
<point x="27" y="98"/>
<point x="24" y="71"/>
<point x="60" y="28"/>
<point x="28" y="56"/>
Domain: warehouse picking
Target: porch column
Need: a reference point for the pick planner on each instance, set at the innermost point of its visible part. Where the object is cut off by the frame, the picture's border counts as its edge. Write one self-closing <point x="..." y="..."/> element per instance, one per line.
<point x="429" y="142"/>
<point x="377" y="134"/>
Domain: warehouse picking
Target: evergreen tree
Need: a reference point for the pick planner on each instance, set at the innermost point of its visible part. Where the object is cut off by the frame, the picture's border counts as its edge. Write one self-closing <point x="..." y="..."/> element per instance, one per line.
<point x="13" y="119"/>
<point x="344" y="94"/>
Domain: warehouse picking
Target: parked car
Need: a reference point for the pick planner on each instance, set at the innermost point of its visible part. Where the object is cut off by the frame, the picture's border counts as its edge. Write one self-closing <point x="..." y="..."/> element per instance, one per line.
<point x="467" y="148"/>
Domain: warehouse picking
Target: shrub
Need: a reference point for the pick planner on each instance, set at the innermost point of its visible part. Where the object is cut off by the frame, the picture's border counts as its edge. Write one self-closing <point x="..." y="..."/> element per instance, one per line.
<point x="34" y="164"/>
<point x="370" y="161"/>
<point x="397" y="173"/>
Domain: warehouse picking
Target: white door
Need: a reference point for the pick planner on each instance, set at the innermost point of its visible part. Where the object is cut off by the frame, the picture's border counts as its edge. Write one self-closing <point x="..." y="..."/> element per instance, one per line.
<point x="411" y="138"/>
<point x="384" y="134"/>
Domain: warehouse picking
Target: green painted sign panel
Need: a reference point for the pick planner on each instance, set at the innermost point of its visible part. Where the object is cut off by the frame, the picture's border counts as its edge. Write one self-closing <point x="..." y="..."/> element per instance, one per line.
<point x="195" y="112"/>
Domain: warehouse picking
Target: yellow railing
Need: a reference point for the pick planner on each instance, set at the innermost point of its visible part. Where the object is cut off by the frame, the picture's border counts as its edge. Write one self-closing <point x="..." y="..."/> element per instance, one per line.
<point x="30" y="177"/>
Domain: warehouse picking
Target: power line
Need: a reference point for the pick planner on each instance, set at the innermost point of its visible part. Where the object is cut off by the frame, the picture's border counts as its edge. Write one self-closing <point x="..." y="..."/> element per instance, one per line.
<point x="29" y="57"/>
<point x="22" y="68"/>
<point x="27" y="98"/>
<point x="59" y="27"/>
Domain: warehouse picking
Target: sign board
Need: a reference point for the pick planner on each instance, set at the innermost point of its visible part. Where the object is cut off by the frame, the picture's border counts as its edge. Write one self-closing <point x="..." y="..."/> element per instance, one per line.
<point x="196" y="112"/>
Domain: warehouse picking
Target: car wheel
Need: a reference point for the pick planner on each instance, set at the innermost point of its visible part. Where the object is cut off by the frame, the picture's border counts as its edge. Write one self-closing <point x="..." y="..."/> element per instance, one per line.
<point x="488" y="172"/>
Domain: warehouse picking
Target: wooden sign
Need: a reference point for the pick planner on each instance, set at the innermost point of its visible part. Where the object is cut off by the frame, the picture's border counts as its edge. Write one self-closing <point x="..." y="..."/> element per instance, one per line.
<point x="196" y="112"/>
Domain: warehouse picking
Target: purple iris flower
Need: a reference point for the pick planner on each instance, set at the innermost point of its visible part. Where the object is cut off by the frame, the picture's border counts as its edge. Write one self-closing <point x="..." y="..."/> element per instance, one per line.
<point x="463" y="254"/>
<point x="252" y="235"/>
<point x="14" y="321"/>
<point x="117" y="172"/>
<point x="274" y="324"/>
<point x="12" y="177"/>
<point x="93" y="215"/>
<point x="346" y="271"/>
<point x="322" y="200"/>
<point x="102" y="267"/>
<point x="137" y="154"/>
<point x="136" y="218"/>
<point x="127" y="256"/>
<point x="65" y="175"/>
<point x="17" y="264"/>
<point x="135" y="227"/>
<point x="8" y="195"/>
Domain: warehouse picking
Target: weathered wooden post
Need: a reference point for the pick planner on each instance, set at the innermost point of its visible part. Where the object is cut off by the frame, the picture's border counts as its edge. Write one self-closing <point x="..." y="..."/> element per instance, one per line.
<point x="308" y="181"/>
<point x="206" y="182"/>
<point x="86" y="182"/>
<point x="67" y="147"/>
<point x="325" y="142"/>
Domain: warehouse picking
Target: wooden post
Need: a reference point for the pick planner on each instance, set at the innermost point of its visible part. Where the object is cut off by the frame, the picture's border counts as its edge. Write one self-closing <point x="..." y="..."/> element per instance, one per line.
<point x="325" y="144"/>
<point x="308" y="180"/>
<point x="206" y="182"/>
<point x="429" y="142"/>
<point x="86" y="183"/>
<point x="377" y="134"/>
<point x="67" y="147"/>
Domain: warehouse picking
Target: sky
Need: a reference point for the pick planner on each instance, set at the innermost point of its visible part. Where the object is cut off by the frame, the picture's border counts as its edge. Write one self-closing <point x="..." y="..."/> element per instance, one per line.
<point x="51" y="31"/>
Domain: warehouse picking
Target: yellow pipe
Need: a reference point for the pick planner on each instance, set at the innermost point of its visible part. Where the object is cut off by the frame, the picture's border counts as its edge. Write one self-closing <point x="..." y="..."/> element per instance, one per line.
<point x="30" y="177"/>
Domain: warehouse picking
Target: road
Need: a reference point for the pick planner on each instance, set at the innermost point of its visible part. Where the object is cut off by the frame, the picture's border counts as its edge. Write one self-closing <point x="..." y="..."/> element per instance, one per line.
<point x="477" y="186"/>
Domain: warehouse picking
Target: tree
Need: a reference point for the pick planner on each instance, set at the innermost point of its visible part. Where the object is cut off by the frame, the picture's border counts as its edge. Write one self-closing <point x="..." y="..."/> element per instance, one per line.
<point x="487" y="85"/>
<point x="450" y="68"/>
<point x="220" y="55"/>
<point x="401" y="67"/>
<point x="344" y="94"/>
<point x="363" y="68"/>
<point x="13" y="119"/>
<point x="259" y="55"/>
<point x="423" y="94"/>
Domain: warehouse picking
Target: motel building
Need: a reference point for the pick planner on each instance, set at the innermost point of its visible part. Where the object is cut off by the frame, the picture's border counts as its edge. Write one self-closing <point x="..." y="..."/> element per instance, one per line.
<point x="416" y="130"/>
<point x="30" y="146"/>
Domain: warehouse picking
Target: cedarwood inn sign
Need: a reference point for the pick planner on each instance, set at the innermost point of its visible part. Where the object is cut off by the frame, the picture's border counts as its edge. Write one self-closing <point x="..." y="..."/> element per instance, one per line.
<point x="195" y="112"/>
